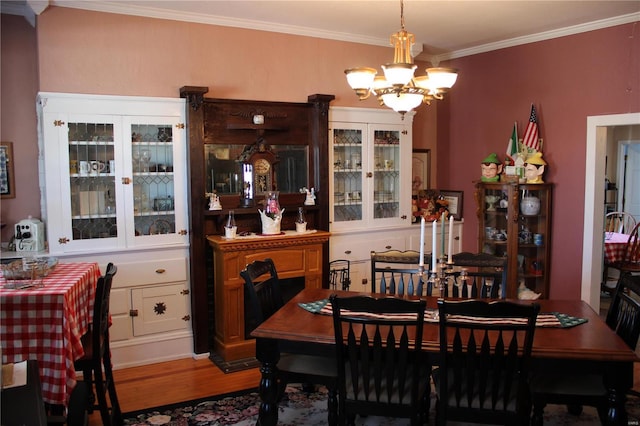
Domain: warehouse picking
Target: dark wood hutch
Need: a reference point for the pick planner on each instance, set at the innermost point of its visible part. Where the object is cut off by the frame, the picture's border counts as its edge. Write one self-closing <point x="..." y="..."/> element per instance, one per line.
<point x="217" y="128"/>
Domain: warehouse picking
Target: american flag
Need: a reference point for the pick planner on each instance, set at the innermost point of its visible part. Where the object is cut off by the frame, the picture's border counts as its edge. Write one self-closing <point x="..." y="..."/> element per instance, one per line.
<point x="531" y="133"/>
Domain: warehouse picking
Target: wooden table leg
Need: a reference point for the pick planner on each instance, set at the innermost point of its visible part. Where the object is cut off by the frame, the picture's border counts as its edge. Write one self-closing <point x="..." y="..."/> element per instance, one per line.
<point x="618" y="380"/>
<point x="268" y="354"/>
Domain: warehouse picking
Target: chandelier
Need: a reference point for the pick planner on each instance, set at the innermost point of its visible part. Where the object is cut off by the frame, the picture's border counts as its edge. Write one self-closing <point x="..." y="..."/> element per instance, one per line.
<point x="399" y="89"/>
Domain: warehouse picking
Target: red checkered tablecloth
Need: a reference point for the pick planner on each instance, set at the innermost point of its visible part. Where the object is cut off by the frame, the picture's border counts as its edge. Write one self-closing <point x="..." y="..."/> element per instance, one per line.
<point x="46" y="324"/>
<point x="614" y="245"/>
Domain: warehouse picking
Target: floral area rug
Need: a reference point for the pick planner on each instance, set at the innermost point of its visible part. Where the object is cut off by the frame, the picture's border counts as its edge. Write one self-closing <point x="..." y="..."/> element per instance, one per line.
<point x="301" y="408"/>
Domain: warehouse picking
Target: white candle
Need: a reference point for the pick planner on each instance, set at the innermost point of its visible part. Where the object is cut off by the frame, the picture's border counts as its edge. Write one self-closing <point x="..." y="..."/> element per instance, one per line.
<point x="422" y="241"/>
<point x="450" y="249"/>
<point x="434" y="237"/>
<point x="442" y="236"/>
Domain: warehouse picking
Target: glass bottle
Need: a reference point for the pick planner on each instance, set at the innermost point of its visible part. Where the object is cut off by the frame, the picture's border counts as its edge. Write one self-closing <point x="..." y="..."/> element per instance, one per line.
<point x="230" y="228"/>
<point x="301" y="222"/>
<point x="272" y="207"/>
<point x="301" y="218"/>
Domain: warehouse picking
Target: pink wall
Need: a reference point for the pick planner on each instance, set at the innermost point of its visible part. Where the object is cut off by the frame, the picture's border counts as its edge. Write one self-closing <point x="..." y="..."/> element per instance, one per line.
<point x="18" y="119"/>
<point x="568" y="79"/>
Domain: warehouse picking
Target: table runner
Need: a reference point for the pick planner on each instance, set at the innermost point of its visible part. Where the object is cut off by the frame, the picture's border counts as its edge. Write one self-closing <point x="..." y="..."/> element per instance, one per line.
<point x="547" y="319"/>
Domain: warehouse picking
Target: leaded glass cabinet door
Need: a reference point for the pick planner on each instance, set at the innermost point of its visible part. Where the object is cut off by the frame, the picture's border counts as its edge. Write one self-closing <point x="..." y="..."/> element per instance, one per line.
<point x="348" y="163"/>
<point x="387" y="188"/>
<point x="86" y="192"/>
<point x="155" y="158"/>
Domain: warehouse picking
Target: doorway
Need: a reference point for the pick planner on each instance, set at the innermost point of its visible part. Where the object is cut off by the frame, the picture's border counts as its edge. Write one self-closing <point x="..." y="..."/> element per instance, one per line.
<point x="599" y="131"/>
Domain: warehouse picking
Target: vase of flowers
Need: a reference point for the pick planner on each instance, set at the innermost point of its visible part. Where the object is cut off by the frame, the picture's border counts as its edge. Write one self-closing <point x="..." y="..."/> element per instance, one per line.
<point x="272" y="214"/>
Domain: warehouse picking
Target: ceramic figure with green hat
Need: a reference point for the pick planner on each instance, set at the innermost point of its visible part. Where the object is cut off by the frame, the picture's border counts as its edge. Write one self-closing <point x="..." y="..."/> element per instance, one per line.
<point x="491" y="168"/>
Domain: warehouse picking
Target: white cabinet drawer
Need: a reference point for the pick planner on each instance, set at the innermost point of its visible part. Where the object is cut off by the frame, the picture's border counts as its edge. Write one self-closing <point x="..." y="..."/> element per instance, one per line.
<point x="151" y="272"/>
<point x="359" y="247"/>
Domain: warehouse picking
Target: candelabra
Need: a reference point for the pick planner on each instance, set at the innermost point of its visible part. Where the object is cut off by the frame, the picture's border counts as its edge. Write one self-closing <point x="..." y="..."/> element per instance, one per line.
<point x="439" y="277"/>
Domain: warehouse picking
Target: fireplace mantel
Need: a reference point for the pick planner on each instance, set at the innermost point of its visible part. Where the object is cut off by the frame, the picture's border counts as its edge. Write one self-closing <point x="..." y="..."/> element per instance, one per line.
<point x="295" y="255"/>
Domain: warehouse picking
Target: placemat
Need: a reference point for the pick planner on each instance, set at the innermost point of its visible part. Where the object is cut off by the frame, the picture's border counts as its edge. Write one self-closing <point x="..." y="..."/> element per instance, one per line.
<point x="546" y="319"/>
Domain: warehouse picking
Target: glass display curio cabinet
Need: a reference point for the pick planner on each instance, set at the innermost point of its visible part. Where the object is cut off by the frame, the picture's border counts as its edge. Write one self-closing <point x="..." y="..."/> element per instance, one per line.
<point x="514" y="221"/>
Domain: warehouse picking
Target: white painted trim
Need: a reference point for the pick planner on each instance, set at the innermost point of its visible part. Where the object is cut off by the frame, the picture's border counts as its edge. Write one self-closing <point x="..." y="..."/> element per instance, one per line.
<point x="594" y="202"/>
<point x="532" y="38"/>
<point x="136" y="10"/>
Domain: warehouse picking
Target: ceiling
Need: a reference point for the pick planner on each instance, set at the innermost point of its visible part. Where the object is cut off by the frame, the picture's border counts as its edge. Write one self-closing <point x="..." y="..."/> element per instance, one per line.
<point x="443" y="29"/>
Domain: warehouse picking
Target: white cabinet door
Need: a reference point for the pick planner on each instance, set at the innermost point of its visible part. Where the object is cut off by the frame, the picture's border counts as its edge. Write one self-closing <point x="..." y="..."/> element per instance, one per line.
<point x="370" y="169"/>
<point x="160" y="309"/>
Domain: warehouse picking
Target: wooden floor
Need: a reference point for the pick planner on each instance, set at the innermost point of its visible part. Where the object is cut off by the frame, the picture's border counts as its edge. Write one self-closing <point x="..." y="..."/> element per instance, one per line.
<point x="175" y="381"/>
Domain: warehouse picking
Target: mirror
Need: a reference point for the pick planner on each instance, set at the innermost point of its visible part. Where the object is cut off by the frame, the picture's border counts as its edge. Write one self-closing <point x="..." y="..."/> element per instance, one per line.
<point x="225" y="171"/>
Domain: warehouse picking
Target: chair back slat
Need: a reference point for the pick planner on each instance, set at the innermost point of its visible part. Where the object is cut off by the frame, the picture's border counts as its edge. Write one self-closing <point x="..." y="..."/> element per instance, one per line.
<point x="100" y="323"/>
<point x="381" y="370"/>
<point x="632" y="250"/>
<point x="486" y="276"/>
<point x="623" y="315"/>
<point x="262" y="289"/>
<point x="339" y="274"/>
<point x="396" y="272"/>
<point x="484" y="364"/>
<point x="620" y="222"/>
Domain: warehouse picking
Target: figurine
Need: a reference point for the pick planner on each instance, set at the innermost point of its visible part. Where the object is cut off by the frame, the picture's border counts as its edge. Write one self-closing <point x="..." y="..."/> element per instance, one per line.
<point x="525" y="293"/>
<point x="311" y="196"/>
<point x="214" y="201"/>
<point x="534" y="168"/>
<point x="491" y="169"/>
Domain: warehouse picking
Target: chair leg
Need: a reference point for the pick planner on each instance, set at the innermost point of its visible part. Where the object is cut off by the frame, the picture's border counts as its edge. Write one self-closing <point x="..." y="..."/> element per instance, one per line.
<point x="332" y="406"/>
<point x="116" y="415"/>
<point x="538" y="412"/>
<point x="87" y="377"/>
<point x="102" y="397"/>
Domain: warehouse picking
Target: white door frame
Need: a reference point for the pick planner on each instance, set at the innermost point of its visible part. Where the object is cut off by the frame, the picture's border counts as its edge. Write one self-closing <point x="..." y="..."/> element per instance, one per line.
<point x="594" y="202"/>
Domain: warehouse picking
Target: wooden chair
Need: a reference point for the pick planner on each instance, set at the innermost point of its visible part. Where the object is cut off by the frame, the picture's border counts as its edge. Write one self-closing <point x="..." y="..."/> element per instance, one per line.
<point x="339" y="271"/>
<point x="486" y="278"/>
<point x="620" y="222"/>
<point x="631" y="259"/>
<point x="381" y="368"/>
<point x="262" y="289"/>
<point x="587" y="388"/>
<point x="483" y="376"/>
<point x="396" y="272"/>
<point x="96" y="363"/>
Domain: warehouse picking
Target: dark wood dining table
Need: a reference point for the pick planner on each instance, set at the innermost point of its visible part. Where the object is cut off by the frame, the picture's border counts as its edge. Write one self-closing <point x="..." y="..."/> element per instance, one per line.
<point x="590" y="346"/>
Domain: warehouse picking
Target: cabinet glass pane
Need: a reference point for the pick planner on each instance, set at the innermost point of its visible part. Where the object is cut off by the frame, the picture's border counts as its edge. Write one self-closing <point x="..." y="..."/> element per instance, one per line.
<point x="347" y="175"/>
<point x="386" y="175"/>
<point x="153" y="185"/>
<point x="532" y="236"/>
<point x="92" y="180"/>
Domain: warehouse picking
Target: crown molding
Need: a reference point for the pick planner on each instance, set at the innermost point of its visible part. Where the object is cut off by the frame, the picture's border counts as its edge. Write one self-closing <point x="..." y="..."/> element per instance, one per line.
<point x="547" y="35"/>
<point x="128" y="9"/>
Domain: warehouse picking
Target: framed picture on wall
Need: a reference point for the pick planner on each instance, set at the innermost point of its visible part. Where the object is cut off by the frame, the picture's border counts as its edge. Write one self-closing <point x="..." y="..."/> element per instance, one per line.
<point x="421" y="169"/>
<point x="7" y="184"/>
<point x="454" y="198"/>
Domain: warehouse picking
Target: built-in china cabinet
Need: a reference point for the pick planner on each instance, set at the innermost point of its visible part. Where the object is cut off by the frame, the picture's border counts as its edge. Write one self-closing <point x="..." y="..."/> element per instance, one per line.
<point x="370" y="189"/>
<point x="113" y="179"/>
<point x="239" y="151"/>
